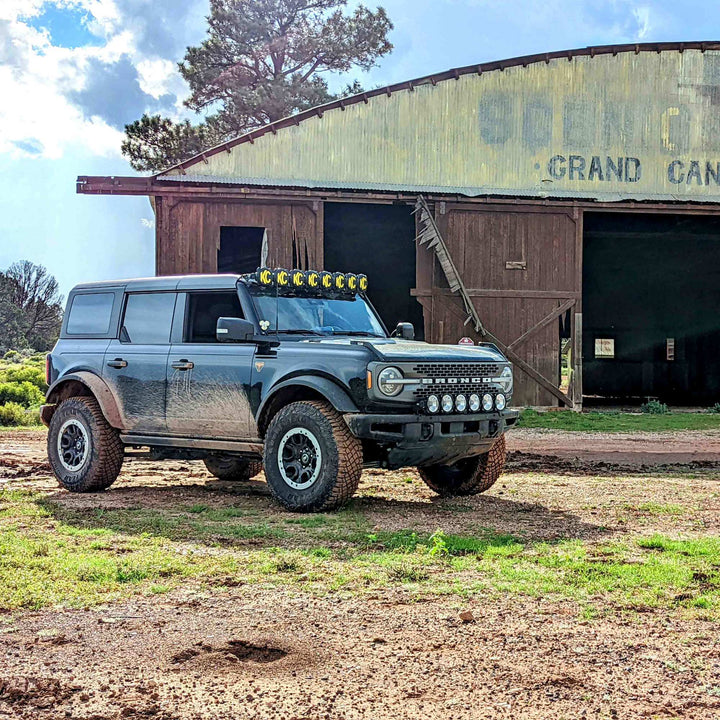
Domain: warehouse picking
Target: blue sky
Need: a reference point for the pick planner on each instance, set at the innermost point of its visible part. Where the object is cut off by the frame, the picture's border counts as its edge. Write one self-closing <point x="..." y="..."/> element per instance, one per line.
<point x="73" y="72"/>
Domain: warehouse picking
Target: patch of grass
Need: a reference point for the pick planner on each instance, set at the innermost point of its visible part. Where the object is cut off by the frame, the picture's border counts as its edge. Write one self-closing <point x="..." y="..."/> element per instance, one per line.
<point x="52" y="555"/>
<point x="609" y="422"/>
<point x="655" y="508"/>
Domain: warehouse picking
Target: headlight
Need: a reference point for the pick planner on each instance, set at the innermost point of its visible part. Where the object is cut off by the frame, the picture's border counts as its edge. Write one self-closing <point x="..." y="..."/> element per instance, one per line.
<point x="385" y="381"/>
<point x="500" y="401"/>
<point x="460" y="403"/>
<point x="487" y="402"/>
<point x="433" y="404"/>
<point x="505" y="381"/>
<point x="474" y="402"/>
<point x="447" y="403"/>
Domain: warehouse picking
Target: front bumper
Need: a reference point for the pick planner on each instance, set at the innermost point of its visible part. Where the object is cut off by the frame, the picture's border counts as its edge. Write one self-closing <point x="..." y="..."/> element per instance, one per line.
<point x="419" y="440"/>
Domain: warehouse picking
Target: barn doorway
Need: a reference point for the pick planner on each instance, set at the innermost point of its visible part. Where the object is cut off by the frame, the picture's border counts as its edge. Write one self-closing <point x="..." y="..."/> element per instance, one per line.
<point x="240" y="249"/>
<point x="378" y="240"/>
<point x="651" y="293"/>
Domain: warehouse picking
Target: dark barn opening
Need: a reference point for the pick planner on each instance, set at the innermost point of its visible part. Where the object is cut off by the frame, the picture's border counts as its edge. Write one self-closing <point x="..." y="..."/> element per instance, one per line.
<point x="651" y="294"/>
<point x="240" y="249"/>
<point x="378" y="240"/>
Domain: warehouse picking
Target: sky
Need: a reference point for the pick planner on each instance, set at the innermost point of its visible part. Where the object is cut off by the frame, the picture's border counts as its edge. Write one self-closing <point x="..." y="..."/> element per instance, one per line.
<point x="74" y="72"/>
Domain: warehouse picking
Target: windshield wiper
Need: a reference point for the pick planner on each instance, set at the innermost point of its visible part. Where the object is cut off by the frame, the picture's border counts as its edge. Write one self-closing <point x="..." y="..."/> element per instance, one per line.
<point x="356" y="333"/>
<point x="300" y="331"/>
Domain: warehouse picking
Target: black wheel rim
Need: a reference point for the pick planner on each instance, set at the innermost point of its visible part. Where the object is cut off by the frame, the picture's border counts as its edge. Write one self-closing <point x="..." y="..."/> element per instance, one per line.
<point x="299" y="458"/>
<point x="72" y="445"/>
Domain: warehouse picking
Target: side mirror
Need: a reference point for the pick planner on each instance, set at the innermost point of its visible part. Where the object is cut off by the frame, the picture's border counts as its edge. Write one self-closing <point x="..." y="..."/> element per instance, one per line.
<point x="231" y="329"/>
<point x="405" y="330"/>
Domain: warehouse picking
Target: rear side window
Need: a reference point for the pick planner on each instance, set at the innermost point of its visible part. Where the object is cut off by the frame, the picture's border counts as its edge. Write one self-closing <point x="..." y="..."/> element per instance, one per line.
<point x="148" y="318"/>
<point x="204" y="309"/>
<point x="90" y="314"/>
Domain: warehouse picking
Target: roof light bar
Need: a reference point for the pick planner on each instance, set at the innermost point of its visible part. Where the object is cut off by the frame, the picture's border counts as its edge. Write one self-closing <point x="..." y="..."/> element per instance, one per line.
<point x="313" y="281"/>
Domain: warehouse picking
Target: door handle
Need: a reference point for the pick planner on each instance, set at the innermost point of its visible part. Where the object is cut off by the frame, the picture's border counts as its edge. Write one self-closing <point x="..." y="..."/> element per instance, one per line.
<point x="183" y="365"/>
<point x="117" y="363"/>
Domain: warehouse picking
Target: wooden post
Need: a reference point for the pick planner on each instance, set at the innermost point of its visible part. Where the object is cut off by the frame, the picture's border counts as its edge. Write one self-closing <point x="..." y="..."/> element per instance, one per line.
<point x="577" y="364"/>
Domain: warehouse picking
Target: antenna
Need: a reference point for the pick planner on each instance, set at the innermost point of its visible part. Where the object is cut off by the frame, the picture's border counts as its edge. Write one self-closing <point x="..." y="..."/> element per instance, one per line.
<point x="277" y="311"/>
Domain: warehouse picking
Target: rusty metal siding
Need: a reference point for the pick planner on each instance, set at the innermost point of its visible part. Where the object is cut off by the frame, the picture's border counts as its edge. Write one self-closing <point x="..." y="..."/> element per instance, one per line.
<point x="630" y="126"/>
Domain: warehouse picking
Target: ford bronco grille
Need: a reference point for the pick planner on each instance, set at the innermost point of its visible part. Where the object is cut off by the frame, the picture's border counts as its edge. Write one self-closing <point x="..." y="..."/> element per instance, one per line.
<point x="455" y="378"/>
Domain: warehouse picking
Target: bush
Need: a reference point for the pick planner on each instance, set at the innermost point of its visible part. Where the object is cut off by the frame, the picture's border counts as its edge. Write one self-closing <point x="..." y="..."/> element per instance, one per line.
<point x="25" y="373"/>
<point x="715" y="408"/>
<point x="654" y="407"/>
<point x="23" y="393"/>
<point x="14" y="414"/>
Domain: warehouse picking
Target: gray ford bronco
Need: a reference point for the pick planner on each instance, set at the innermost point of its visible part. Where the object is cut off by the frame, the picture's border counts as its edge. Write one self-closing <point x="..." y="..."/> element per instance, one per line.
<point x="288" y="371"/>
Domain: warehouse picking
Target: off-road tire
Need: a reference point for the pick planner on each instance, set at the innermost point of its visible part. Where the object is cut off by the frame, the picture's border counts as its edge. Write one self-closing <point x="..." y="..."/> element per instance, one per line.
<point x="467" y="477"/>
<point x="228" y="467"/>
<point x="104" y="457"/>
<point x="341" y="457"/>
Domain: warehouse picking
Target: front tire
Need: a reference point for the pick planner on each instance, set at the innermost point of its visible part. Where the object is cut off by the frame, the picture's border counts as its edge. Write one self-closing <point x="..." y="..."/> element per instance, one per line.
<point x="228" y="467"/>
<point x="312" y="460"/>
<point x="467" y="477"/>
<point x="85" y="452"/>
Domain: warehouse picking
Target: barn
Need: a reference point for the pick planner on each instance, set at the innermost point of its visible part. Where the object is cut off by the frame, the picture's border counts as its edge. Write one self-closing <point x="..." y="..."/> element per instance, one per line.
<point x="565" y="206"/>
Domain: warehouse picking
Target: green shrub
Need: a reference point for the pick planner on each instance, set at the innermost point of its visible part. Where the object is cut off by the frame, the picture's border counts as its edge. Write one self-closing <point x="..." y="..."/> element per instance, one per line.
<point x="654" y="407"/>
<point x="715" y="408"/>
<point x="25" y="373"/>
<point x="23" y="393"/>
<point x="13" y="414"/>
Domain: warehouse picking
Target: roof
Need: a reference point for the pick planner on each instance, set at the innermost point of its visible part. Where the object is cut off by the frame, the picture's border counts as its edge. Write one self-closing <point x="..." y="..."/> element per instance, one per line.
<point x="434" y="79"/>
<point x="166" y="282"/>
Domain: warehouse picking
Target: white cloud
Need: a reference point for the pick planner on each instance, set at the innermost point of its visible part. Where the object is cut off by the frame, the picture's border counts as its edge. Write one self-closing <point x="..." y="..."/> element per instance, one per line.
<point x="642" y="16"/>
<point x="147" y="222"/>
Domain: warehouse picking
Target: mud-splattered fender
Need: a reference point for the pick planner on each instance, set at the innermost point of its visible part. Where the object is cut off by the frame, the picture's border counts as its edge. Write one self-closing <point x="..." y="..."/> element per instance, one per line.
<point x="62" y="388"/>
<point x="331" y="391"/>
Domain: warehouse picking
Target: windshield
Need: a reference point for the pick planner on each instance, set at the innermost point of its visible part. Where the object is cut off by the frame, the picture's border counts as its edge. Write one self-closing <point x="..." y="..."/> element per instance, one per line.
<point x="321" y="316"/>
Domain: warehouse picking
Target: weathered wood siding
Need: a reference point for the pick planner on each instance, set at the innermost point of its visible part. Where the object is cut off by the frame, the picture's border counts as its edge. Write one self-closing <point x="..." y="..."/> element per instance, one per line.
<point x="518" y="266"/>
<point x="188" y="232"/>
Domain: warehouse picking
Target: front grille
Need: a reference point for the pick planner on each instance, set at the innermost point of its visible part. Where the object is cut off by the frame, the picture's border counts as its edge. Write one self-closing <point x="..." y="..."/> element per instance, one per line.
<point x="454" y="373"/>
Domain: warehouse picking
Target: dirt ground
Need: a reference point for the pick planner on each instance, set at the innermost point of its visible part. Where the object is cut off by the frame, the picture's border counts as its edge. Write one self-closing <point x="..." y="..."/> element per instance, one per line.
<point x="253" y="652"/>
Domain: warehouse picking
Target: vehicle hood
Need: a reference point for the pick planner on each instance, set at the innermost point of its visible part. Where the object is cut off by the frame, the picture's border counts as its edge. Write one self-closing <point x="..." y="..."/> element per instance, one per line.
<point x="396" y="349"/>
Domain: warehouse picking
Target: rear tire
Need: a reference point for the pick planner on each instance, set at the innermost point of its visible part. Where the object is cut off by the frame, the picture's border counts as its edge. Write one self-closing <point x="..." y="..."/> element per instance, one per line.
<point x="312" y="460"/>
<point x="228" y="467"/>
<point x="467" y="477"/>
<point x="84" y="450"/>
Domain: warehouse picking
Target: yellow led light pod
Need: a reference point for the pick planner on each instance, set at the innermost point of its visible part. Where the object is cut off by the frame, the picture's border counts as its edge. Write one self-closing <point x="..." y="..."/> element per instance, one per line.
<point x="362" y="283"/>
<point x="326" y="280"/>
<point x="312" y="279"/>
<point x="298" y="278"/>
<point x="351" y="280"/>
<point x="264" y="276"/>
<point x="282" y="277"/>
<point x="339" y="281"/>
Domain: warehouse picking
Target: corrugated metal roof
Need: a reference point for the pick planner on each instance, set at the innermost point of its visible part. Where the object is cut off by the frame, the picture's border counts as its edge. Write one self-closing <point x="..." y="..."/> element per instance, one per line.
<point x="434" y="79"/>
<point x="426" y="189"/>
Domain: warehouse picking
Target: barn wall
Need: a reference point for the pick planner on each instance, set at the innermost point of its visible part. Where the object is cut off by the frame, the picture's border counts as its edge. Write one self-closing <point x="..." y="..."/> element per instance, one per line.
<point x="518" y="266"/>
<point x="188" y="232"/>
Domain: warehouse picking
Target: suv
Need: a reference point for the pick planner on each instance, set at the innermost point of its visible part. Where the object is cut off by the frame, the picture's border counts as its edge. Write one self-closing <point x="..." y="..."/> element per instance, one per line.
<point x="290" y="370"/>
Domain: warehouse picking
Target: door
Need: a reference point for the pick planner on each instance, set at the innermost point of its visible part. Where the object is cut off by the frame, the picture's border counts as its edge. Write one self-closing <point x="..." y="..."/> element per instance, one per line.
<point x="209" y="382"/>
<point x="135" y="364"/>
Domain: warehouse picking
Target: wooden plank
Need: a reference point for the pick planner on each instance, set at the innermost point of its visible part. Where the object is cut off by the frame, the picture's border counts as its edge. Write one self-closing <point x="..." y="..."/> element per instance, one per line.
<point x="514" y="357"/>
<point x="578" y="362"/>
<point x="543" y="323"/>
<point x="493" y="293"/>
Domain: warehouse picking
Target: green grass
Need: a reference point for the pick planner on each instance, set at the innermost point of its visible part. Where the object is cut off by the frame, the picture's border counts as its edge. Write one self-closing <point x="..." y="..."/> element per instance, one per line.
<point x="618" y="422"/>
<point x="51" y="555"/>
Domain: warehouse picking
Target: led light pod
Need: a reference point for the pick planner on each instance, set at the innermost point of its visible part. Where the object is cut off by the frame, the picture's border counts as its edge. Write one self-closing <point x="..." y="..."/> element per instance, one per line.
<point x="351" y="281"/>
<point x="461" y="403"/>
<point x="312" y="279"/>
<point x="433" y="404"/>
<point x="362" y="283"/>
<point x="339" y="281"/>
<point x="297" y="277"/>
<point x="282" y="277"/>
<point x="500" y="401"/>
<point x="264" y="276"/>
<point x="447" y="403"/>
<point x="474" y="402"/>
<point x="487" y="402"/>
<point x="326" y="280"/>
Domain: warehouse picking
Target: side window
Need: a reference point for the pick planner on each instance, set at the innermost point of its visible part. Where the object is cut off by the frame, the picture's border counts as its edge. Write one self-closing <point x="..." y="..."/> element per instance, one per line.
<point x="148" y="318"/>
<point x="203" y="312"/>
<point x="90" y="314"/>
